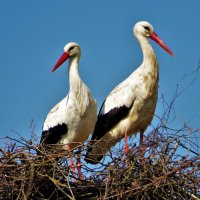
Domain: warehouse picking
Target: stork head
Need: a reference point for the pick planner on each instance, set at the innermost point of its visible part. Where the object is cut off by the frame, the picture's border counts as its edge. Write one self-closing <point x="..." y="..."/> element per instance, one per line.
<point x="71" y="50"/>
<point x="145" y="29"/>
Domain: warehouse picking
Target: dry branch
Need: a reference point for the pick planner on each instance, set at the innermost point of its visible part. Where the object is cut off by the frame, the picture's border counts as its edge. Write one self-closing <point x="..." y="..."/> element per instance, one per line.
<point x="166" y="174"/>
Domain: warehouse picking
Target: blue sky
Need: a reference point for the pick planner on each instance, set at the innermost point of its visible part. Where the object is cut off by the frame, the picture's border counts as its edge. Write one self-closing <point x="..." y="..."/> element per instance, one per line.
<point x="33" y="34"/>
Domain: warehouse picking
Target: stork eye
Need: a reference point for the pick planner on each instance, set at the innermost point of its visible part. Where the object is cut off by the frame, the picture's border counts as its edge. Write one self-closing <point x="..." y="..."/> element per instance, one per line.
<point x="71" y="48"/>
<point x="146" y="28"/>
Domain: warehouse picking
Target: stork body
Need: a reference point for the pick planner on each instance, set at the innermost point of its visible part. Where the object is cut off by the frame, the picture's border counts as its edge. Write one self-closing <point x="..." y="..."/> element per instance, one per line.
<point x="130" y="106"/>
<point x="70" y="122"/>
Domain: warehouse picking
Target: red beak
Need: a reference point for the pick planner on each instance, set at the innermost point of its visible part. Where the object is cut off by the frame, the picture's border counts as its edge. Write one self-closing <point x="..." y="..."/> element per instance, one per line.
<point x="61" y="60"/>
<point x="157" y="39"/>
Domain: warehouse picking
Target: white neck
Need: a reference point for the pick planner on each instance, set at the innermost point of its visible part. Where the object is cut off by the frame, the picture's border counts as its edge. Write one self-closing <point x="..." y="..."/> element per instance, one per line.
<point x="74" y="78"/>
<point x="149" y="63"/>
<point x="147" y="50"/>
<point x="78" y="91"/>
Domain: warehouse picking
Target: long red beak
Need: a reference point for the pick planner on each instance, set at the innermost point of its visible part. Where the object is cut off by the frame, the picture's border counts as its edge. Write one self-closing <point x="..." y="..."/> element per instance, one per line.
<point x="158" y="40"/>
<point x="61" y="60"/>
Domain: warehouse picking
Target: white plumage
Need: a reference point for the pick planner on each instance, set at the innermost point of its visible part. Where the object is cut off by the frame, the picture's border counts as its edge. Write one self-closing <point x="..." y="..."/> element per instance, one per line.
<point x="130" y="107"/>
<point x="70" y="122"/>
<point x="77" y="110"/>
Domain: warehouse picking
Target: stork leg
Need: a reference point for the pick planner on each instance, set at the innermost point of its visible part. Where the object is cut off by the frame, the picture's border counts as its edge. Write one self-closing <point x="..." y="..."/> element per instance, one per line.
<point x="72" y="165"/>
<point x="126" y="148"/>
<point x="78" y="164"/>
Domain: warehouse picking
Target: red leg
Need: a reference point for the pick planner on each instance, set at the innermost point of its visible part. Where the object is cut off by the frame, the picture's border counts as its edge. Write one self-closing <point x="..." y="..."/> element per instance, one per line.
<point x="72" y="165"/>
<point x="78" y="164"/>
<point x="126" y="148"/>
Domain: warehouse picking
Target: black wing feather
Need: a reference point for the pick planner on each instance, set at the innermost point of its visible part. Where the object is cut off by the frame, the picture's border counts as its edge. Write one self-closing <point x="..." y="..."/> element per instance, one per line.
<point x="104" y="123"/>
<point x="107" y="121"/>
<point x="53" y="134"/>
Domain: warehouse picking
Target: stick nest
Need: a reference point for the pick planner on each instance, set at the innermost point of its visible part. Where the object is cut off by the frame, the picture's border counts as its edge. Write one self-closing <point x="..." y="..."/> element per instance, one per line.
<point x="170" y="169"/>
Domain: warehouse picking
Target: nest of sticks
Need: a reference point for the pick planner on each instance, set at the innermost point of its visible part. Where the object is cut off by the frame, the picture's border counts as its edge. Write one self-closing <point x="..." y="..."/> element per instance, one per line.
<point x="170" y="169"/>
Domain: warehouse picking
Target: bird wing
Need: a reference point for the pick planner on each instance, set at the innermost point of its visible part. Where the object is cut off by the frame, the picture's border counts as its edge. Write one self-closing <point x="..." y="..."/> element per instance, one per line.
<point x="54" y="134"/>
<point x="55" y="124"/>
<point x="115" y="107"/>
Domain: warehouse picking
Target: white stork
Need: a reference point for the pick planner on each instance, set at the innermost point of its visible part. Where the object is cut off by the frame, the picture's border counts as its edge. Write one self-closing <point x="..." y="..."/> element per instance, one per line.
<point x="70" y="122"/>
<point x="130" y="106"/>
